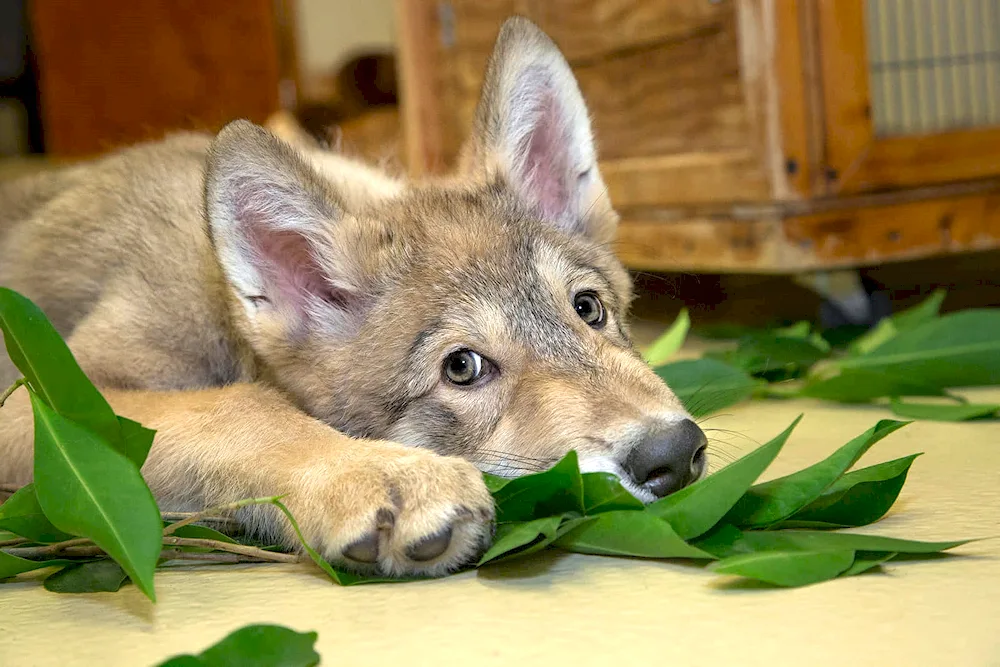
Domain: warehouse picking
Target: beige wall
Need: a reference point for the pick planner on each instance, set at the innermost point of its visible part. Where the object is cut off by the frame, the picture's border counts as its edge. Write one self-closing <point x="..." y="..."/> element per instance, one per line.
<point x="332" y="30"/>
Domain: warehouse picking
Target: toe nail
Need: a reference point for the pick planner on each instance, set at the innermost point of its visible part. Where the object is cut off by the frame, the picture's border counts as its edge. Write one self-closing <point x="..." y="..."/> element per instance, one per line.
<point x="430" y="547"/>
<point x="364" y="550"/>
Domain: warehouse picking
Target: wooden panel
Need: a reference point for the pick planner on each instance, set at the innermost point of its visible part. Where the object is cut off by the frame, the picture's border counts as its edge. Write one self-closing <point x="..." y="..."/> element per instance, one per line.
<point x="857" y="160"/>
<point x="665" y="98"/>
<point x="700" y="244"/>
<point x="882" y="233"/>
<point x="678" y="97"/>
<point x="777" y="65"/>
<point x="846" y="238"/>
<point x="589" y="29"/>
<point x="475" y="25"/>
<point x="114" y="73"/>
<point x="936" y="158"/>
<point x="422" y="86"/>
<point x="691" y="178"/>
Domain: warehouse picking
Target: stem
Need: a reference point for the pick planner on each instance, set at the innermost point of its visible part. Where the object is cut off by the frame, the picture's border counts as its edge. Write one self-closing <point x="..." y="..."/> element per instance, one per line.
<point x="14" y="542"/>
<point x="46" y="552"/>
<point x="10" y="390"/>
<point x="219" y="509"/>
<point x="178" y="554"/>
<point x="221" y="520"/>
<point x="59" y="547"/>
<point x="241" y="549"/>
<point x="81" y="550"/>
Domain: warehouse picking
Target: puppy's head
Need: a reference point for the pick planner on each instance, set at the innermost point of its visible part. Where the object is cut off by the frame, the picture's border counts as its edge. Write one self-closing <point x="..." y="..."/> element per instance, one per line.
<point x="484" y="316"/>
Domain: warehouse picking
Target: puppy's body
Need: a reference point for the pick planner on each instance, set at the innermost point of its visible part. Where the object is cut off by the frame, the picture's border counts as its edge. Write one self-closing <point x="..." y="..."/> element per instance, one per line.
<point x="292" y="322"/>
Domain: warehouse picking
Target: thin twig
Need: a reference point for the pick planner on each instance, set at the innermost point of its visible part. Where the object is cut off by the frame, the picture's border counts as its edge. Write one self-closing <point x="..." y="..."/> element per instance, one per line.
<point x="61" y="547"/>
<point x="219" y="509"/>
<point x="80" y="550"/>
<point x="220" y="520"/>
<point x="178" y="554"/>
<point x="14" y="542"/>
<point x="241" y="549"/>
<point x="10" y="390"/>
<point x="45" y="553"/>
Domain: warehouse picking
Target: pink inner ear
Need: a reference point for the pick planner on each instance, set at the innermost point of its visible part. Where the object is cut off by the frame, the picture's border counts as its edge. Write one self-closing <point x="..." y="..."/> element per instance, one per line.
<point x="546" y="169"/>
<point x="292" y="273"/>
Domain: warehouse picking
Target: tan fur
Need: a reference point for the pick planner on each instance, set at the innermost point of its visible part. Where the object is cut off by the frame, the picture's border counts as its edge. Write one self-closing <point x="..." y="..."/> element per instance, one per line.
<point x="156" y="264"/>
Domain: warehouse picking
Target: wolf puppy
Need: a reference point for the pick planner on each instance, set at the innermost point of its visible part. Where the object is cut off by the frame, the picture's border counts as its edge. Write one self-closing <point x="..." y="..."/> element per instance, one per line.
<point x="292" y="322"/>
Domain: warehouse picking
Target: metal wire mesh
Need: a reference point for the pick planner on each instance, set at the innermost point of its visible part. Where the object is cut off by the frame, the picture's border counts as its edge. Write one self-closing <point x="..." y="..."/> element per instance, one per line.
<point x="934" y="65"/>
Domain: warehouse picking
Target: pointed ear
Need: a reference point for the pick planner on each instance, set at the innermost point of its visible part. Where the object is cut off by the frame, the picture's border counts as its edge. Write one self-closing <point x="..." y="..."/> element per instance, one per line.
<point x="274" y="224"/>
<point x="532" y="127"/>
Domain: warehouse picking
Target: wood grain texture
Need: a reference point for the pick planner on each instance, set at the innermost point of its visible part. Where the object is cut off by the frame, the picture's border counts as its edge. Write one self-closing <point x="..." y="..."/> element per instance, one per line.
<point x="587" y="30"/>
<point x="778" y="243"/>
<point x="706" y="245"/>
<point x="904" y="231"/>
<point x="422" y="86"/>
<point x="678" y="97"/>
<point x="114" y="73"/>
<point x="682" y="95"/>
<point x="686" y="179"/>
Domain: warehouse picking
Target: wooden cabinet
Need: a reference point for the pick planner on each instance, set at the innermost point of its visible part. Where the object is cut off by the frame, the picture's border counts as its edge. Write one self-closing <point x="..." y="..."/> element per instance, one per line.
<point x="752" y="135"/>
<point x="112" y="73"/>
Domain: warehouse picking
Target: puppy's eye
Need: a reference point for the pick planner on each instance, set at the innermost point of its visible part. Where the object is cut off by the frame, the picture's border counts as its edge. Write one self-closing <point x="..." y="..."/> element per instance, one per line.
<point x="465" y="367"/>
<point x="590" y="309"/>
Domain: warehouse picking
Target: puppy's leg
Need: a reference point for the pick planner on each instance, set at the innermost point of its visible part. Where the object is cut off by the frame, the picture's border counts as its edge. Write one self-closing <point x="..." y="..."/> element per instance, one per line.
<point x="370" y="504"/>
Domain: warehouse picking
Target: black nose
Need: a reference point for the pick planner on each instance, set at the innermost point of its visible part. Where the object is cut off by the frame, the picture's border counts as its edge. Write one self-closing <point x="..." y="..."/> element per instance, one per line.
<point x="669" y="457"/>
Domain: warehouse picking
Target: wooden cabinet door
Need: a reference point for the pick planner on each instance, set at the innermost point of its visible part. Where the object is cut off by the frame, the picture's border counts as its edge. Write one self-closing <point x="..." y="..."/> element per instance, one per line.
<point x="114" y="72"/>
<point x="911" y="92"/>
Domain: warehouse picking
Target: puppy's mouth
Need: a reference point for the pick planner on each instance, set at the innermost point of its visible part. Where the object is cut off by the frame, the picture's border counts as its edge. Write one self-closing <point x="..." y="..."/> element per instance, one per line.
<point x="641" y="492"/>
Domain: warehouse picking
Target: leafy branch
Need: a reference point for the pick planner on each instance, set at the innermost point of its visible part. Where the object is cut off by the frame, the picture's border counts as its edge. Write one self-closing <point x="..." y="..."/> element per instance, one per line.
<point x="90" y="514"/>
<point x="914" y="354"/>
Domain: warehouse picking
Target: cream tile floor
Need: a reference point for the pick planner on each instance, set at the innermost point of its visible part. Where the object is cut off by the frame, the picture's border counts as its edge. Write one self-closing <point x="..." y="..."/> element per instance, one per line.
<point x="583" y="610"/>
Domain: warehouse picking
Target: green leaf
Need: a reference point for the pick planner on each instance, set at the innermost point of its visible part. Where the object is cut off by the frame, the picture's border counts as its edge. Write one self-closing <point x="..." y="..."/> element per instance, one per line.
<point x="628" y="533"/>
<point x="861" y="386"/>
<point x="957" y="350"/>
<point x="888" y="328"/>
<point x="13" y="565"/>
<point x="858" y="498"/>
<point x="958" y="412"/>
<point x="89" y="489"/>
<point x="21" y="514"/>
<point x="256" y="646"/>
<point x="494" y="482"/>
<point x="927" y="310"/>
<point x="200" y="533"/>
<point x="693" y="510"/>
<point x="603" y="492"/>
<point x="787" y="568"/>
<point x="723" y="541"/>
<point x="52" y="373"/>
<point x="522" y="538"/>
<point x="801" y="329"/>
<point x="99" y="576"/>
<point x="137" y="440"/>
<point x="866" y="560"/>
<point x="823" y="540"/>
<point x="670" y="342"/>
<point x="705" y="386"/>
<point x="879" y="334"/>
<point x="768" y="353"/>
<point x="768" y="503"/>
<point x="555" y="491"/>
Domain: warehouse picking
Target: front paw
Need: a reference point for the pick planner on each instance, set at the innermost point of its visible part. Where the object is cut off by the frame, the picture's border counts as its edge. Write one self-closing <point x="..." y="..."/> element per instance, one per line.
<point x="398" y="512"/>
